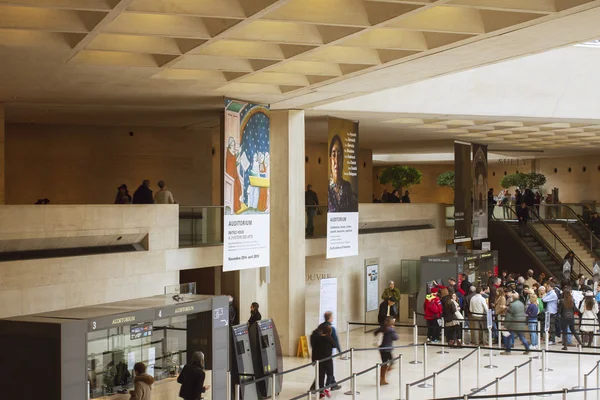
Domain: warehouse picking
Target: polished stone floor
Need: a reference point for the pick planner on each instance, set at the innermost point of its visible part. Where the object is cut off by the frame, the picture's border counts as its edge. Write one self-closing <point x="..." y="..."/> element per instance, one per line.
<point x="564" y="374"/>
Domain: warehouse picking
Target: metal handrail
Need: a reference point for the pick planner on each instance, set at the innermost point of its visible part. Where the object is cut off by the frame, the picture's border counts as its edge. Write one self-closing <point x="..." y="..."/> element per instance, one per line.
<point x="557" y="238"/>
<point x="591" y="234"/>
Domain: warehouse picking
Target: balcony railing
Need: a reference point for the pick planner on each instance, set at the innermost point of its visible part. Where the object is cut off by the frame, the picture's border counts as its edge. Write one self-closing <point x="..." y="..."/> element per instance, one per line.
<point x="200" y="226"/>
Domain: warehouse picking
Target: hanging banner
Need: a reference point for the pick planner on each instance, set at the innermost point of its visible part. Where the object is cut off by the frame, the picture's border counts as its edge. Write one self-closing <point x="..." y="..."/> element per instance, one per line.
<point x="480" y="189"/>
<point x="246" y="186"/>
<point x="342" y="204"/>
<point x="462" y="192"/>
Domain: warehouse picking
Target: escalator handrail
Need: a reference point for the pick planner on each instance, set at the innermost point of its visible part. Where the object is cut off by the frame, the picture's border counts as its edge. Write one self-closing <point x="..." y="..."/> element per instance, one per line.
<point x="587" y="228"/>
<point x="576" y="257"/>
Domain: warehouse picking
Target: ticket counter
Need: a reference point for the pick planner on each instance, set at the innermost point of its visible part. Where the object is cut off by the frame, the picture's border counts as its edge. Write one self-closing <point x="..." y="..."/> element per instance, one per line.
<point x="89" y="352"/>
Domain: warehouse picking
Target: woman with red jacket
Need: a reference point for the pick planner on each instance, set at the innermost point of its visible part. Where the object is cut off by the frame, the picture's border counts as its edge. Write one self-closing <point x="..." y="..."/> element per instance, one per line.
<point x="432" y="308"/>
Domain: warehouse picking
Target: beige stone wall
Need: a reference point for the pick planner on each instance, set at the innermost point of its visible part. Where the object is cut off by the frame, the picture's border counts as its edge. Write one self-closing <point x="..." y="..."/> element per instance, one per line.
<point x="2" y="155"/>
<point x="35" y="286"/>
<point x="85" y="165"/>
<point x="574" y="186"/>
<point x="316" y="171"/>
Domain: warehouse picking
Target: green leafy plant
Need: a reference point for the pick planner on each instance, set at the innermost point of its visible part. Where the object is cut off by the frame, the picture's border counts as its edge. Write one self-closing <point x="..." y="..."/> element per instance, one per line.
<point x="522" y="180"/>
<point x="446" y="179"/>
<point x="400" y="177"/>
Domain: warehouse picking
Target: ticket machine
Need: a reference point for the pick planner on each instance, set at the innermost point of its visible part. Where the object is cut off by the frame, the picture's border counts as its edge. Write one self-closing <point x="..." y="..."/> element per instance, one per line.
<point x="242" y="365"/>
<point x="266" y="350"/>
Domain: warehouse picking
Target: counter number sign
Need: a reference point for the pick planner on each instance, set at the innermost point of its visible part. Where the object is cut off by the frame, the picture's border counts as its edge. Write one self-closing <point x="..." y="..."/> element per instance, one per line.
<point x="219" y="317"/>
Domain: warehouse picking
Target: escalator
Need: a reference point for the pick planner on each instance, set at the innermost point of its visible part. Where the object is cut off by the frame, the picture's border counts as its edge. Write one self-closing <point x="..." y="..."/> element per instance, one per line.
<point x="537" y="247"/>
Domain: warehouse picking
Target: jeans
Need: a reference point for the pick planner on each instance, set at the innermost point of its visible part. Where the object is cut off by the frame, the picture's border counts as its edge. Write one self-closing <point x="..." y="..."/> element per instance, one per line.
<point x="510" y="341"/>
<point x="566" y="325"/>
<point x="310" y="226"/>
<point x="325" y="368"/>
<point x="553" y="323"/>
<point x="533" y="332"/>
<point x="433" y="329"/>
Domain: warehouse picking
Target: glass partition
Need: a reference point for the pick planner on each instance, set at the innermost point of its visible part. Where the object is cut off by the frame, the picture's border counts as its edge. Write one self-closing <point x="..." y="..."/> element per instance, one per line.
<point x="200" y="226"/>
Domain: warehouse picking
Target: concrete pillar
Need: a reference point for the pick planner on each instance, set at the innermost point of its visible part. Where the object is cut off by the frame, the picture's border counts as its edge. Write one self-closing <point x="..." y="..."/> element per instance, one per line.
<point x="2" y="157"/>
<point x="288" y="260"/>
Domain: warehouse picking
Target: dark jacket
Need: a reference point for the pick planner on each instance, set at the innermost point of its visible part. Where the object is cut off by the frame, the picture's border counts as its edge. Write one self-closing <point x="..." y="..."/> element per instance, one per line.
<point x="564" y="312"/>
<point x="405" y="199"/>
<point x="522" y="214"/>
<point x="466" y="286"/>
<point x="322" y="345"/>
<point x="143" y="195"/>
<point x="449" y="309"/>
<point x="233" y="315"/>
<point x="334" y="335"/>
<point x="310" y="198"/>
<point x="389" y="336"/>
<point x="192" y="382"/>
<point x="383" y="309"/>
<point x="255" y="316"/>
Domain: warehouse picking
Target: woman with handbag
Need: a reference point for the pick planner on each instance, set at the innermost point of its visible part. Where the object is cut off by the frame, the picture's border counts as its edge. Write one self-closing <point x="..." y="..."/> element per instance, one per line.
<point x="387" y="341"/>
<point x="192" y="378"/>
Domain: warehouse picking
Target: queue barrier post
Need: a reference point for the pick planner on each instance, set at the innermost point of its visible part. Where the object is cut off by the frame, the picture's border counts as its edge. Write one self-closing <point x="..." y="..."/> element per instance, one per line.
<point x="516" y="373"/>
<point x="345" y="357"/>
<point x="317" y="375"/>
<point x="545" y="362"/>
<point x="442" y="351"/>
<point x="478" y="370"/>
<point x="598" y="380"/>
<point x="416" y="344"/>
<point x="228" y="385"/>
<point x="407" y="391"/>
<point x="237" y="392"/>
<point x="578" y="369"/>
<point x="460" y="376"/>
<point x="377" y="381"/>
<point x="530" y="376"/>
<point x="585" y="386"/>
<point x="497" y="386"/>
<point x="354" y="392"/>
<point x="273" y="387"/>
<point x="424" y="385"/>
<point x="434" y="385"/>
<point x="544" y="370"/>
<point x="537" y="357"/>
<point x="400" y="377"/>
<point x="491" y="355"/>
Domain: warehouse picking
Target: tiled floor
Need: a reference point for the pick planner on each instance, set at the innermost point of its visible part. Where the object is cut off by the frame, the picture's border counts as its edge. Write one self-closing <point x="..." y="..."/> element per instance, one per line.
<point x="564" y="374"/>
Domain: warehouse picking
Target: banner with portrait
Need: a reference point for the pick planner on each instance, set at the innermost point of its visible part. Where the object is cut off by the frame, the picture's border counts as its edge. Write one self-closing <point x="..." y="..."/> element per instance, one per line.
<point x="246" y="186"/>
<point x="462" y="192"/>
<point x="342" y="198"/>
<point x="480" y="189"/>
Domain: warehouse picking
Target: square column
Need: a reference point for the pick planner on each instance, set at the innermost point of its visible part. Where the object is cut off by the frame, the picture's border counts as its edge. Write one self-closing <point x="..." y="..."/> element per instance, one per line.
<point x="288" y="259"/>
<point x="2" y="157"/>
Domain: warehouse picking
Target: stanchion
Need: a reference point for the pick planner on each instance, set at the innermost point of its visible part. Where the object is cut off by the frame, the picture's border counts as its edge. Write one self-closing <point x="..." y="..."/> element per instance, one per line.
<point x="407" y="391"/>
<point x="544" y="369"/>
<point x="578" y="369"/>
<point x="491" y="356"/>
<point x="530" y="376"/>
<point x="598" y="380"/>
<point x="460" y="376"/>
<point x="545" y="362"/>
<point x="424" y="385"/>
<point x="497" y="386"/>
<point x="516" y="373"/>
<point x="434" y="385"/>
<point x="400" y="378"/>
<point x="352" y="392"/>
<point x="537" y="357"/>
<point x="442" y="351"/>
<point x="416" y="344"/>
<point x="273" y="387"/>
<point x="565" y="391"/>
<point x="237" y="392"/>
<point x="377" y="381"/>
<point x="490" y="344"/>
<point x="585" y="386"/>
<point x="345" y="356"/>
<point x="228" y="385"/>
<point x="317" y="375"/>
<point x="478" y="370"/>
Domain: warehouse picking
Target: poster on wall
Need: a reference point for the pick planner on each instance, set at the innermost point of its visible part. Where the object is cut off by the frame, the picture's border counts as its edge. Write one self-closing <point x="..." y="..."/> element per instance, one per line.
<point x="462" y="192"/>
<point x="246" y="186"/>
<point x="372" y="283"/>
<point x="342" y="198"/>
<point x="328" y="299"/>
<point x="480" y="189"/>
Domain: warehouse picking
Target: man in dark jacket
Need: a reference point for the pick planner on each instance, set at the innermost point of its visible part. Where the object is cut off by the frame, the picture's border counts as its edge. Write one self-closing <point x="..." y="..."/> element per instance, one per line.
<point x="329" y="322"/>
<point x="322" y="346"/>
<point x="387" y="308"/>
<point x="465" y="285"/>
<point x="143" y="194"/>
<point x="523" y="216"/>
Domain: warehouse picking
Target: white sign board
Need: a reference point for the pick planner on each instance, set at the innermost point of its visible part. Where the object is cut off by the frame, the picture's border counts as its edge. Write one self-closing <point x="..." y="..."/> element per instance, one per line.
<point x="328" y="299"/>
<point x="486" y="246"/>
<point x="372" y="284"/>
<point x="342" y="234"/>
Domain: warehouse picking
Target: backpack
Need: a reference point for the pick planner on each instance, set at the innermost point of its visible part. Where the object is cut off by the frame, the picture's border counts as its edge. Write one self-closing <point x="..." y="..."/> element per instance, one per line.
<point x="433" y="309"/>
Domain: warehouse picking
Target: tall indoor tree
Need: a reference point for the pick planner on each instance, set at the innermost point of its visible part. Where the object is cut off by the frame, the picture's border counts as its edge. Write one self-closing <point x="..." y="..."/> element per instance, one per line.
<point x="446" y="179"/>
<point x="400" y="177"/>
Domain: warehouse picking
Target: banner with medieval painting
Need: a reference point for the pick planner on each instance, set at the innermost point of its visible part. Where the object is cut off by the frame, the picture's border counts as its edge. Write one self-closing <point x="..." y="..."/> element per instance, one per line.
<point x="246" y="186"/>
<point x="480" y="189"/>
<point x="462" y="192"/>
<point x="342" y="199"/>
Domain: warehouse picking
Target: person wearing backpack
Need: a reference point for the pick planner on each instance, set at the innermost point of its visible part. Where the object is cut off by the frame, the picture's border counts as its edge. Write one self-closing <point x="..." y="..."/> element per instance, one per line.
<point x="432" y="308"/>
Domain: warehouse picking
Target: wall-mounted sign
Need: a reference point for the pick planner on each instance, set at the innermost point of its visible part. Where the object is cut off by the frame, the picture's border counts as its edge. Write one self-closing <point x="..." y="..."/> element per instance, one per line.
<point x="511" y="161"/>
<point x="317" y="277"/>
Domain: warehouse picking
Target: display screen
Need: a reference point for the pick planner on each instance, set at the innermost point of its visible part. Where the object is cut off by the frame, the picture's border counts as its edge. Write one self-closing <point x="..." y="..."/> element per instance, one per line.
<point x="139" y="331"/>
<point x="239" y="347"/>
<point x="264" y="341"/>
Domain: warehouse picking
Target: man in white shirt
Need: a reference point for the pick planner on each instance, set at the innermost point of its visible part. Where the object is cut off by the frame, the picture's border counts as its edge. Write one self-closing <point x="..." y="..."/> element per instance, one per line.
<point x="163" y="196"/>
<point x="478" y="308"/>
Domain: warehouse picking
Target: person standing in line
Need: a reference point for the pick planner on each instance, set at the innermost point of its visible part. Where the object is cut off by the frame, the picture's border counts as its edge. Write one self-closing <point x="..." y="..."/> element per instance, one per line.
<point x="142" y="383"/>
<point x="550" y="300"/>
<point x="500" y="308"/>
<point x="322" y="346"/>
<point x="163" y="196"/>
<point x="589" y="312"/>
<point x="515" y="324"/>
<point x="451" y="322"/>
<point x="468" y="318"/>
<point x="254" y="314"/>
<point x="387" y="308"/>
<point x="406" y="197"/>
<point x="391" y="291"/>
<point x="478" y="308"/>
<point x="566" y="307"/>
<point x="432" y="309"/>
<point x="530" y="281"/>
<point x="123" y="196"/>
<point x="143" y="194"/>
<point x="532" y="312"/>
<point x="465" y="285"/>
<point x="328" y="316"/>
<point x="310" y="200"/>
<point x="192" y="378"/>
<point x="385" y="351"/>
<point x="395" y="196"/>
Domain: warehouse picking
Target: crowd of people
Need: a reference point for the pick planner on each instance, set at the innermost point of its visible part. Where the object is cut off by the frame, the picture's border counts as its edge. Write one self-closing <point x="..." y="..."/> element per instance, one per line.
<point x="393" y="197"/>
<point x="144" y="195"/>
<point x="518" y="304"/>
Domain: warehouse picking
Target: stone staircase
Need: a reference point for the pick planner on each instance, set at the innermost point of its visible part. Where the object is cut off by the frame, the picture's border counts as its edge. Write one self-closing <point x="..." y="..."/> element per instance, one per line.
<point x="569" y="239"/>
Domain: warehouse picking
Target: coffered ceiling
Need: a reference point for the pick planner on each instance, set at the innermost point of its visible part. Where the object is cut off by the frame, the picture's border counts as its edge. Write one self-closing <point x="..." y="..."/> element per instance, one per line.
<point x="173" y="52"/>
